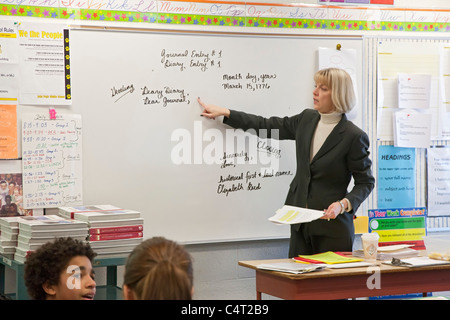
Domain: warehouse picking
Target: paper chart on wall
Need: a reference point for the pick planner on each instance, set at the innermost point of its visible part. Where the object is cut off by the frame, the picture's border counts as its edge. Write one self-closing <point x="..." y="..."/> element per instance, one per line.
<point x="438" y="181"/>
<point x="413" y="58"/>
<point x="445" y="89"/>
<point x="51" y="160"/>
<point x="412" y="129"/>
<point x="414" y="90"/>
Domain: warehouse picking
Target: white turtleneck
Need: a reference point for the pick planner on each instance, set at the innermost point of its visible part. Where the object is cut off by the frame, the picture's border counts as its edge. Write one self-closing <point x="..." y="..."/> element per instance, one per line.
<point x="326" y="124"/>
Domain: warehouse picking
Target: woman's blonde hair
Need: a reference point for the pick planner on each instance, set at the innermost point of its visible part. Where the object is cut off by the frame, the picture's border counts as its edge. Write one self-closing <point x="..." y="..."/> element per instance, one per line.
<point x="159" y="269"/>
<point x="341" y="86"/>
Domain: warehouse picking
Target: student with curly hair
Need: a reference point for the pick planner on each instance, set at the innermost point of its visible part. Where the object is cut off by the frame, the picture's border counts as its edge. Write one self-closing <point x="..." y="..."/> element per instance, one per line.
<point x="158" y="269"/>
<point x="61" y="270"/>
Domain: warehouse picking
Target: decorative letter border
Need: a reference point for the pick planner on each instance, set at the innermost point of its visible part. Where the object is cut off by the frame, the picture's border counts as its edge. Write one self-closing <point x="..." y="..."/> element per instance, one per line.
<point x="235" y="14"/>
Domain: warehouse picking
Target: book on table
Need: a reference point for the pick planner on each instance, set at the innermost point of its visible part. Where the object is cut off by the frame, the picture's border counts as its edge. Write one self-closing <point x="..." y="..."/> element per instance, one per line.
<point x="34" y="231"/>
<point x="115" y="236"/>
<point x="116" y="229"/>
<point x="116" y="223"/>
<point x="10" y="222"/>
<point x="32" y="244"/>
<point x="49" y="222"/>
<point x="106" y="215"/>
<point x="68" y="212"/>
<point x="114" y="248"/>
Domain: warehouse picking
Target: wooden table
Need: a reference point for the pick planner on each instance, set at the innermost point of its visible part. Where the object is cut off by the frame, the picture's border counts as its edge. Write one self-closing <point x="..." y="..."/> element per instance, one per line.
<point x="349" y="282"/>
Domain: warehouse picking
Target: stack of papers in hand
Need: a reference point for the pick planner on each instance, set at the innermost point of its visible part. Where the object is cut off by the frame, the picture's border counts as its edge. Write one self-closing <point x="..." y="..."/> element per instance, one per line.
<point x="293" y="215"/>
<point x="290" y="267"/>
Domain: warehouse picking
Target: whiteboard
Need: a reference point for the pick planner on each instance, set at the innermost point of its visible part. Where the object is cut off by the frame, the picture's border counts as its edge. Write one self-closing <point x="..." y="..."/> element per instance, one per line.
<point x="146" y="147"/>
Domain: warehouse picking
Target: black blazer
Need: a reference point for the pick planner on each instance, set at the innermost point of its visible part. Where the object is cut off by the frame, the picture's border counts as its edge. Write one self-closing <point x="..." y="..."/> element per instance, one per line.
<point x="326" y="177"/>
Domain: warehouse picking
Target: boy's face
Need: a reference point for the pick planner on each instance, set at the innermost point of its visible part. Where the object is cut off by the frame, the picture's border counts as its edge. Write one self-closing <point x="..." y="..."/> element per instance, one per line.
<point x="75" y="283"/>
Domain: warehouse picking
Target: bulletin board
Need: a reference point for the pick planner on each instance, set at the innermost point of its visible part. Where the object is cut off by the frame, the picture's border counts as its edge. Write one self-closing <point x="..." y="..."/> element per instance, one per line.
<point x="416" y="56"/>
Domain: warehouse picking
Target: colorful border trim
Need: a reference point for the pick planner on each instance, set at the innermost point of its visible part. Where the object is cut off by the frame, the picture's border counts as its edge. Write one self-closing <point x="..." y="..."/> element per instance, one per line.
<point x="241" y="20"/>
<point x="359" y="2"/>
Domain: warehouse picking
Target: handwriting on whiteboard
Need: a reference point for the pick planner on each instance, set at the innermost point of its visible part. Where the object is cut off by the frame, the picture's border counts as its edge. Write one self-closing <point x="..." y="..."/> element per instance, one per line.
<point x="191" y="59"/>
<point x="51" y="160"/>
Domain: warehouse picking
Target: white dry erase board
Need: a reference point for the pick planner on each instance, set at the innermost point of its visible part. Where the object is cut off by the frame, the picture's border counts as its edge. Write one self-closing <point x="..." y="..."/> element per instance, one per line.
<point x="147" y="148"/>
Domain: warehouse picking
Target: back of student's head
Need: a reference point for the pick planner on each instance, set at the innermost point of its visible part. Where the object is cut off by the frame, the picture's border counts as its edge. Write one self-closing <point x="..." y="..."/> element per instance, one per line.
<point x="158" y="269"/>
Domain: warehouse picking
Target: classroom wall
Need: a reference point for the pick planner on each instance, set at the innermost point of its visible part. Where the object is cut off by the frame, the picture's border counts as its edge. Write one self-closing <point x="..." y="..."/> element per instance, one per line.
<point x="216" y="271"/>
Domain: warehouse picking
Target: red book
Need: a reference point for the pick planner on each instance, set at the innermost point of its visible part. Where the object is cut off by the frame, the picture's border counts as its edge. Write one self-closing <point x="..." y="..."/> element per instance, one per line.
<point x="106" y="230"/>
<point x="116" y="236"/>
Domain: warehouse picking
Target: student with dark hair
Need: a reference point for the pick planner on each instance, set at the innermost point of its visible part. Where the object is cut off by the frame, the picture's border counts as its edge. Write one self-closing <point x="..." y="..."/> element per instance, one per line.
<point x="61" y="270"/>
<point x="158" y="269"/>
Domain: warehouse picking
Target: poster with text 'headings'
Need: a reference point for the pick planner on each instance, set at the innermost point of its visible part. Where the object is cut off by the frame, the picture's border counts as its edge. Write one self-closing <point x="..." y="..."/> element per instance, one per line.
<point x="51" y="160"/>
<point x="396" y="177"/>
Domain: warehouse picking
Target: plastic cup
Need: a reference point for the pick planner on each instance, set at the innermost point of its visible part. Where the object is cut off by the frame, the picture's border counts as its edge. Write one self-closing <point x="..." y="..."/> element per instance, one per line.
<point x="370" y="246"/>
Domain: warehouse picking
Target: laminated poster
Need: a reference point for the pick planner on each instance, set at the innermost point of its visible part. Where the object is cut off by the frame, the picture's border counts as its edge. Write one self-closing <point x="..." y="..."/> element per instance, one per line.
<point x="44" y="64"/>
<point x="396" y="177"/>
<point x="399" y="225"/>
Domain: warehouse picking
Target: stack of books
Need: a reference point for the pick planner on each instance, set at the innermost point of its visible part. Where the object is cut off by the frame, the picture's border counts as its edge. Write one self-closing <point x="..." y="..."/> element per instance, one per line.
<point x="35" y="231"/>
<point x="69" y="212"/>
<point x="9" y="228"/>
<point x="112" y="232"/>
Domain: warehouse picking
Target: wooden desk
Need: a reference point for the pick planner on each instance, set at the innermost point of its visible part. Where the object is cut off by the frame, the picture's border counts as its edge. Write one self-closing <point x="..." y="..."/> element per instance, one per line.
<point x="349" y="282"/>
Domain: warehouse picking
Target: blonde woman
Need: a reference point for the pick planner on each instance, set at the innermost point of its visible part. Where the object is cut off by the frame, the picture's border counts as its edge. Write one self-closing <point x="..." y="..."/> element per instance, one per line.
<point x="330" y="150"/>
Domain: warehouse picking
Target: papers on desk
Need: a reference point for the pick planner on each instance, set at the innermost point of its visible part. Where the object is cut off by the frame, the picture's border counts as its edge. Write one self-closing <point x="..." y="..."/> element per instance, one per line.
<point x="350" y="265"/>
<point x="293" y="215"/>
<point x="415" y="262"/>
<point x="328" y="257"/>
<point x="290" y="267"/>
